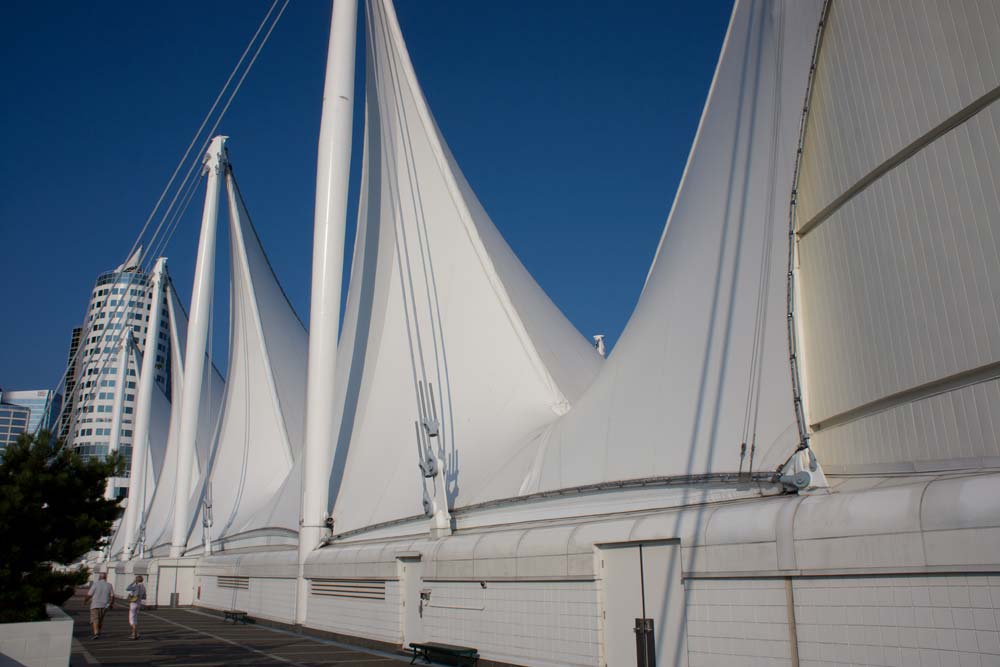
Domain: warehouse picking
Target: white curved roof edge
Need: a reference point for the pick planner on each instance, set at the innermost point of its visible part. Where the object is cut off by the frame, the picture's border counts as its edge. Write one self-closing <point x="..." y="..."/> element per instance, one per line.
<point x="273" y="564"/>
<point x="581" y="503"/>
<point x="251" y="540"/>
<point x="929" y="466"/>
<point x="940" y="523"/>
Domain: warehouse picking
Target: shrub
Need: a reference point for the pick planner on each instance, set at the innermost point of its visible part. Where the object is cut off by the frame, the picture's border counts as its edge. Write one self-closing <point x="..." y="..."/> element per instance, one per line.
<point x="52" y="511"/>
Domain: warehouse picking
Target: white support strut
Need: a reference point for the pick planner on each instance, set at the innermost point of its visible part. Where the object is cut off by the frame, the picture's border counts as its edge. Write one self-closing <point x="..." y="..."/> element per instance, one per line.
<point x="124" y="344"/>
<point x="330" y="222"/>
<point x="143" y="407"/>
<point x="197" y="341"/>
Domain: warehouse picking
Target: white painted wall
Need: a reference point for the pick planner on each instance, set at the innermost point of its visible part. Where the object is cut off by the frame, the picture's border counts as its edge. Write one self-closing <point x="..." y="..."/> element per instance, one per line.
<point x="521" y="622"/>
<point x="371" y="619"/>
<point x="273" y="599"/>
<point x="737" y="622"/>
<point x="900" y="621"/>
<point x="222" y="598"/>
<point x="544" y="594"/>
<point x="267" y="598"/>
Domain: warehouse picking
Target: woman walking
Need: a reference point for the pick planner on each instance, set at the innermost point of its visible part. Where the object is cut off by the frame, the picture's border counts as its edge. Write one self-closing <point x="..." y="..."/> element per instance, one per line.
<point x="136" y="596"/>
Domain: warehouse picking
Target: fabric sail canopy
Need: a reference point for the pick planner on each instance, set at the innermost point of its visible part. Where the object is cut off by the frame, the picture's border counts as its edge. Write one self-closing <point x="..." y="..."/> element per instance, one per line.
<point x="703" y="364"/>
<point x="159" y="428"/>
<point x="158" y="520"/>
<point x="439" y="313"/>
<point x="261" y="428"/>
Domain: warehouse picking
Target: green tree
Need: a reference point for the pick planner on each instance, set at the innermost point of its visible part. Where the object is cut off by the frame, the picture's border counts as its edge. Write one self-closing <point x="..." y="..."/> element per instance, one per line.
<point x="52" y="511"/>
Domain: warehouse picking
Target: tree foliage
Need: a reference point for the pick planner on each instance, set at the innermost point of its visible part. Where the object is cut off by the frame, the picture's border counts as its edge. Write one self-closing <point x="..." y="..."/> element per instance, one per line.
<point x="52" y="511"/>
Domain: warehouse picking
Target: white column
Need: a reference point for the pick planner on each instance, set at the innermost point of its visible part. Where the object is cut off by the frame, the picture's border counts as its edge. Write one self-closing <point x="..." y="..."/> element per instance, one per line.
<point x="116" y="416"/>
<point x="441" y="525"/>
<point x="197" y="340"/>
<point x="143" y="406"/>
<point x="332" y="172"/>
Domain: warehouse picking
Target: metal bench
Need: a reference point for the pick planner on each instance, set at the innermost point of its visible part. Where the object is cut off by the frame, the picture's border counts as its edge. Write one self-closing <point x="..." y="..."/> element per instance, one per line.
<point x="235" y="616"/>
<point x="454" y="655"/>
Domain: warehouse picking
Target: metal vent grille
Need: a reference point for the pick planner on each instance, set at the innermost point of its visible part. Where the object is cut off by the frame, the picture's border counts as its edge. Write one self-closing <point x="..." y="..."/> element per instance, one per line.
<point x="234" y="582"/>
<point x="366" y="589"/>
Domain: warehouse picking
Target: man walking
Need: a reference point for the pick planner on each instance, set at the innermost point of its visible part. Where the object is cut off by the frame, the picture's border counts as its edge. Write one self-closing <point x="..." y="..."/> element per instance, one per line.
<point x="101" y="597"/>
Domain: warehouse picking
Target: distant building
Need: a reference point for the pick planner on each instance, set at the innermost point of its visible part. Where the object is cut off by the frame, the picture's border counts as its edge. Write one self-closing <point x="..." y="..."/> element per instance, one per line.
<point x="119" y="305"/>
<point x="13" y="421"/>
<point x="67" y="412"/>
<point x="44" y="404"/>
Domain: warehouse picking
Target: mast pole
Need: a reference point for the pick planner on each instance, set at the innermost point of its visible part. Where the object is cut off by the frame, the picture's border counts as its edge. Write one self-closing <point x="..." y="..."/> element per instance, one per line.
<point x="116" y="417"/>
<point x="197" y="340"/>
<point x="143" y="406"/>
<point x="330" y="220"/>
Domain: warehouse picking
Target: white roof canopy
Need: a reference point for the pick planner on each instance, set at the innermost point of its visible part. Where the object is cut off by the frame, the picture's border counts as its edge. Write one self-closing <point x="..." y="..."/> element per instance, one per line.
<point x="158" y="520"/>
<point x="438" y="306"/>
<point x="261" y="427"/>
<point x="703" y="364"/>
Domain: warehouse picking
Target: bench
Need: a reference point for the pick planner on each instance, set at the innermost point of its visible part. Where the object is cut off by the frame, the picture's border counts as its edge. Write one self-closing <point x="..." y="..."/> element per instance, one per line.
<point x="455" y="655"/>
<point x="235" y="617"/>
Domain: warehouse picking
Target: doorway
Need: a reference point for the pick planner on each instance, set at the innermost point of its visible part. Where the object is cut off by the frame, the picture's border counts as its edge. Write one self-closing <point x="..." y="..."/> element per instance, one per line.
<point x="644" y="615"/>
<point x="410" y="579"/>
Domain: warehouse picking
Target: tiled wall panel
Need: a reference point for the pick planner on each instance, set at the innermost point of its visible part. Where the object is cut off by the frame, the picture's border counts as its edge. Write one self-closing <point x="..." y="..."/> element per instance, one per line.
<point x="273" y="599"/>
<point x="931" y="621"/>
<point x="222" y="598"/>
<point x="526" y="623"/>
<point x="737" y="622"/>
<point x="372" y="619"/>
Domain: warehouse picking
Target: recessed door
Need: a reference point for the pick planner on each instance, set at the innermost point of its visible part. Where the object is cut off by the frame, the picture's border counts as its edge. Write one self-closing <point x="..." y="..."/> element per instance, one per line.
<point x="644" y="617"/>
<point x="410" y="580"/>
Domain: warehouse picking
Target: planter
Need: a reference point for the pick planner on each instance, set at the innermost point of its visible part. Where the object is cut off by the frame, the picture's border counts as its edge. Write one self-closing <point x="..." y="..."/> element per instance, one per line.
<point x="39" y="644"/>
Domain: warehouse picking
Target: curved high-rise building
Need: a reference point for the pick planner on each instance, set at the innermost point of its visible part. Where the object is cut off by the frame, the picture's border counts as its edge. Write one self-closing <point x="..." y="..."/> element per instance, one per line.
<point x="119" y="312"/>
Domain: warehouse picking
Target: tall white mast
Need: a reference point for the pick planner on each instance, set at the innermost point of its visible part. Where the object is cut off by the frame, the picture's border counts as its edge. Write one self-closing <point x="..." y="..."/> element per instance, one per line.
<point x="124" y="344"/>
<point x="197" y="339"/>
<point x="332" y="172"/>
<point x="143" y="407"/>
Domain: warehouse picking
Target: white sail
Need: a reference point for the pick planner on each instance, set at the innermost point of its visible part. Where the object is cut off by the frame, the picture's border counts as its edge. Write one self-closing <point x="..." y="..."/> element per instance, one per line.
<point x="261" y="428"/>
<point x="158" y="520"/>
<point x="155" y="453"/>
<point x="442" y="319"/>
<point x="159" y="433"/>
<point x="703" y="363"/>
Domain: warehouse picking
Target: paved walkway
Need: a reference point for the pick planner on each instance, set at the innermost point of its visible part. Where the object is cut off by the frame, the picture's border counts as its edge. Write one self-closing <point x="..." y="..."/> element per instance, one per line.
<point x="196" y="638"/>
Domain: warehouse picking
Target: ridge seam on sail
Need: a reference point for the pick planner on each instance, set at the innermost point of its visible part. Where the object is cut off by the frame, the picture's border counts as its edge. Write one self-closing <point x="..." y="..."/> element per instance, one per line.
<point x="952" y="122"/>
<point x="926" y="390"/>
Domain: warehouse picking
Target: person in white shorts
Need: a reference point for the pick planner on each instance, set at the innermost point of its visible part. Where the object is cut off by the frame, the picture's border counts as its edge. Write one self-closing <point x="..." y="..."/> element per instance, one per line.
<point x="136" y="596"/>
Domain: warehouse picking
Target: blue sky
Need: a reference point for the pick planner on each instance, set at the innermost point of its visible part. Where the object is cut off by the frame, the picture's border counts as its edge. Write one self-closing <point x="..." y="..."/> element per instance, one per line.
<point x="571" y="120"/>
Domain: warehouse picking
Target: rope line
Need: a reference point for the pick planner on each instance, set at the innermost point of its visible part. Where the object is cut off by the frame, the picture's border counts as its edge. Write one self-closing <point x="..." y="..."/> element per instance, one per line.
<point x="754" y="382"/>
<point x="184" y="193"/>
